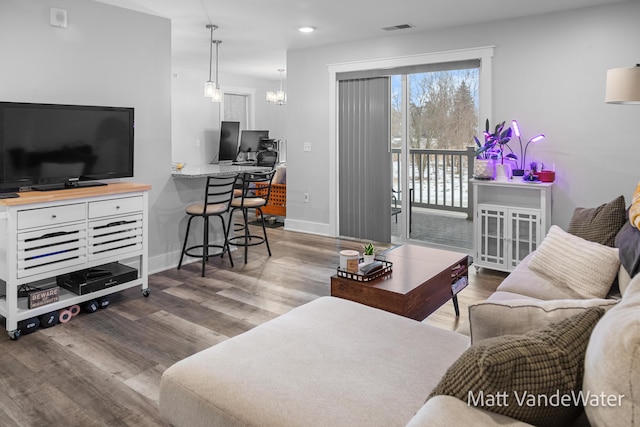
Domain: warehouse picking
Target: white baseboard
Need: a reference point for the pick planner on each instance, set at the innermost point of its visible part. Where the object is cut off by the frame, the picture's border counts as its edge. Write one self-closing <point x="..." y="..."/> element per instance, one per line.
<point x="308" y="227"/>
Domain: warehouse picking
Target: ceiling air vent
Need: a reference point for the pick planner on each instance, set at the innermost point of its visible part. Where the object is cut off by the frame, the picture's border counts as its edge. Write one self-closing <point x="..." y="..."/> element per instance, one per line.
<point x="398" y="27"/>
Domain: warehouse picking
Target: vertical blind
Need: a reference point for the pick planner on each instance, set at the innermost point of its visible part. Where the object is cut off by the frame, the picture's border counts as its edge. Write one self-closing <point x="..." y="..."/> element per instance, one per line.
<point x="364" y="168"/>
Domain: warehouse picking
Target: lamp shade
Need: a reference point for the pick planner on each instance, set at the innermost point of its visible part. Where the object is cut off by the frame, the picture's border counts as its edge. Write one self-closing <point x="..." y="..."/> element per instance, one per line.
<point x="623" y="86"/>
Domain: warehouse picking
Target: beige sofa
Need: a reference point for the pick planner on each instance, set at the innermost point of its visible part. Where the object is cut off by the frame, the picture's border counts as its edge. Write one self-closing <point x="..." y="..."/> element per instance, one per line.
<point x="333" y="362"/>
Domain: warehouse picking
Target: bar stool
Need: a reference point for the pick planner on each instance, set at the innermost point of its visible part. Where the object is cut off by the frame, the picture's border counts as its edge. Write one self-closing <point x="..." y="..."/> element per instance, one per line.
<point x="256" y="188"/>
<point x="217" y="200"/>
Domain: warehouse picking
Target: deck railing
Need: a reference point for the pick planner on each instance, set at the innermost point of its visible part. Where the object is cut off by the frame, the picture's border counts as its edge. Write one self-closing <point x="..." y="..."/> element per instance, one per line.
<point x="439" y="179"/>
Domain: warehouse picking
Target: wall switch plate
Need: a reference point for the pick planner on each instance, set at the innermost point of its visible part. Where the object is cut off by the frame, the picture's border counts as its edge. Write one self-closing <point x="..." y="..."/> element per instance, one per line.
<point x="306" y="146"/>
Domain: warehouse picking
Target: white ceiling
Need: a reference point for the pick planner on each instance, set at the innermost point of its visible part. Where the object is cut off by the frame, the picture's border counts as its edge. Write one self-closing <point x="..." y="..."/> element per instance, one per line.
<point x="256" y="34"/>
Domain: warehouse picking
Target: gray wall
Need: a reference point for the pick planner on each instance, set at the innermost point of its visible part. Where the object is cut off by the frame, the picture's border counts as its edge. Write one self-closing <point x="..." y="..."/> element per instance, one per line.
<point x="195" y="117"/>
<point x="549" y="73"/>
<point x="106" y="56"/>
<point x="113" y="56"/>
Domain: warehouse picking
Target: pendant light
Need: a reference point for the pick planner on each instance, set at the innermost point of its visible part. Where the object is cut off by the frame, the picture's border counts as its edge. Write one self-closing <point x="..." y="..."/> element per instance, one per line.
<point x="211" y="88"/>
<point x="217" y="93"/>
<point x="279" y="97"/>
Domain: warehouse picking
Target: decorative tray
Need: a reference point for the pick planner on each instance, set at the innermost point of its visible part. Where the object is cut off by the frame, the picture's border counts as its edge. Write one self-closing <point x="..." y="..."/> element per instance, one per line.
<point x="387" y="266"/>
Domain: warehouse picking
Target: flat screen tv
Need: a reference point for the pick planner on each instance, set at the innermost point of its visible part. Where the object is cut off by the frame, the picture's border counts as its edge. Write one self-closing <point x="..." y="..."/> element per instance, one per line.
<point x="51" y="146"/>
<point x="250" y="140"/>
<point x="229" y="132"/>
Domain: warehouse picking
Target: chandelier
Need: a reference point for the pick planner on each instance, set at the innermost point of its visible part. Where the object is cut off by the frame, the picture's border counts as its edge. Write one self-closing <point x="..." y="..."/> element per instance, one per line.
<point x="279" y="97"/>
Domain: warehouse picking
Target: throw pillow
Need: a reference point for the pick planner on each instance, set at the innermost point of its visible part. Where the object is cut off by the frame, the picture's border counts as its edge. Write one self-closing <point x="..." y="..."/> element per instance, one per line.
<point x="628" y="242"/>
<point x="516" y="317"/>
<point x="588" y="268"/>
<point x="600" y="224"/>
<point x="526" y="377"/>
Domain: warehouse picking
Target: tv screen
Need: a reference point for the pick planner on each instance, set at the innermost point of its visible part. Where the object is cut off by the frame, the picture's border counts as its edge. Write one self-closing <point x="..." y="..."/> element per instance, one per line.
<point x="61" y="144"/>
<point x="250" y="140"/>
<point x="229" y="132"/>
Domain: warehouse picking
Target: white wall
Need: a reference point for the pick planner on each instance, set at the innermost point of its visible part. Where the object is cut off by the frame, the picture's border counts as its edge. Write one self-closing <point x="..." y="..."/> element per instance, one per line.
<point x="549" y="73"/>
<point x="106" y="56"/>
<point x="196" y="118"/>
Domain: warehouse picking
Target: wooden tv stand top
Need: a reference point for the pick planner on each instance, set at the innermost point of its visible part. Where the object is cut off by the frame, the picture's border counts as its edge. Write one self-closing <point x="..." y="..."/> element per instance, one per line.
<point x="30" y="197"/>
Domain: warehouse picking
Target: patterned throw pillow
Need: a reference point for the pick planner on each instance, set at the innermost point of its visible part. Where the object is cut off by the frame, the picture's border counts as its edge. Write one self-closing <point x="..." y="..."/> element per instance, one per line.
<point x="532" y="378"/>
<point x="588" y="268"/>
<point x="600" y="224"/>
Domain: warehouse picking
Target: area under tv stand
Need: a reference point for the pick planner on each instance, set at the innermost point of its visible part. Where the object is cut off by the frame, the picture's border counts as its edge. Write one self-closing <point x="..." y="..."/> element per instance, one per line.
<point x="67" y="185"/>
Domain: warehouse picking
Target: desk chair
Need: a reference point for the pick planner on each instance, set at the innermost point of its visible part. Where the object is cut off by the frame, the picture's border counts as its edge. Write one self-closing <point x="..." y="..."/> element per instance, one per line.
<point x="217" y="200"/>
<point x="267" y="158"/>
<point x="248" y="199"/>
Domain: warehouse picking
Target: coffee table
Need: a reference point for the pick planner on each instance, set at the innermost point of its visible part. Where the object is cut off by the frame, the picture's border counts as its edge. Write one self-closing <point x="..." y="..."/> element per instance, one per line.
<point x="421" y="281"/>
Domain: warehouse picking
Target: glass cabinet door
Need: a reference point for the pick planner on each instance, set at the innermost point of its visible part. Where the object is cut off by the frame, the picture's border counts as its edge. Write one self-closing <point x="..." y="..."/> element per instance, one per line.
<point x="524" y="233"/>
<point x="492" y="229"/>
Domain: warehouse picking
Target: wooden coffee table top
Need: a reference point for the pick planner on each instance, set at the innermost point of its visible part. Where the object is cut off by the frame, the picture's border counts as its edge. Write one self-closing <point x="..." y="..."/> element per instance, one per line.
<point x="412" y="265"/>
<point x="419" y="283"/>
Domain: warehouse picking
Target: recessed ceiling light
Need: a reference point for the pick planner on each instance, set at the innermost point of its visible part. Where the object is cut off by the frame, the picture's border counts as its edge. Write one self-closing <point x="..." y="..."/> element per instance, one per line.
<point x="306" y="29"/>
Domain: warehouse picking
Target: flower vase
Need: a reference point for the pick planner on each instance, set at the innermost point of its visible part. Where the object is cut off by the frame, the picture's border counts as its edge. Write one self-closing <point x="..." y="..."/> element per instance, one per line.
<point x="503" y="172"/>
<point x="483" y="169"/>
<point x="368" y="259"/>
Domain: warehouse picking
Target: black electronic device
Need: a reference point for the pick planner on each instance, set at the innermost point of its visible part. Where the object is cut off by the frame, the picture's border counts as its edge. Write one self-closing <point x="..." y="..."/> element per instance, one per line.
<point x="229" y="133"/>
<point x="53" y="146"/>
<point x="250" y="140"/>
<point x="94" y="279"/>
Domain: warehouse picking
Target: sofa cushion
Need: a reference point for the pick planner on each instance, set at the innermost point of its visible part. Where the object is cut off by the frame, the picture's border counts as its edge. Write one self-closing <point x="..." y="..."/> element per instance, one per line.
<point x="447" y="411"/>
<point x="588" y="268"/>
<point x="524" y="281"/>
<point x="599" y="224"/>
<point x="516" y="317"/>
<point x="503" y="374"/>
<point x="328" y="362"/>
<point x="612" y="364"/>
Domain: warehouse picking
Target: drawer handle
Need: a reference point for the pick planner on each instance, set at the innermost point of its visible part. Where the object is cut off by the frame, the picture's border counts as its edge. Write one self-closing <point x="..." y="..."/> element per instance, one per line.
<point x="54" y="216"/>
<point x="117" y="207"/>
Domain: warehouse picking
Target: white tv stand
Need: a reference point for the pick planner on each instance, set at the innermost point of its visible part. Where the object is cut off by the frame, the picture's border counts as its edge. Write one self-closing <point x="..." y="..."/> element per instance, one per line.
<point x="46" y="234"/>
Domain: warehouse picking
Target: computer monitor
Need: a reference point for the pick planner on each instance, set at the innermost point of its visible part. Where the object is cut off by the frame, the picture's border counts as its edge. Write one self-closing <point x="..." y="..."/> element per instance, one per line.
<point x="229" y="132"/>
<point x="250" y="140"/>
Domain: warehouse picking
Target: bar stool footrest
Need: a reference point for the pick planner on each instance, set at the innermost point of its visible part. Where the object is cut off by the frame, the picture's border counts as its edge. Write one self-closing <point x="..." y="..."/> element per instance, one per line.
<point x="244" y="240"/>
<point x="188" y="252"/>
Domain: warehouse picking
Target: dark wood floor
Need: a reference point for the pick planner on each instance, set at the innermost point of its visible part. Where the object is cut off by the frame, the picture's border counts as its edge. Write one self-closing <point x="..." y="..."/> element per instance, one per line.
<point x="103" y="369"/>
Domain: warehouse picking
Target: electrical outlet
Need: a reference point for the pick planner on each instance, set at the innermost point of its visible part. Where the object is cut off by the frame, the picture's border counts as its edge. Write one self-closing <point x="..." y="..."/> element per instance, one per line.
<point x="306" y="197"/>
<point x="197" y="143"/>
<point x="306" y="146"/>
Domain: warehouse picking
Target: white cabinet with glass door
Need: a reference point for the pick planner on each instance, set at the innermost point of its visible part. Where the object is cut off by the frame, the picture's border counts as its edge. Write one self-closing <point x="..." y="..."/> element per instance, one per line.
<point x="510" y="221"/>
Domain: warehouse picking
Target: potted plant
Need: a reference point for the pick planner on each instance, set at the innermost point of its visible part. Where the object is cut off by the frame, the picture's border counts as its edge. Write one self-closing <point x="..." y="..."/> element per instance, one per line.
<point x="369" y="253"/>
<point x="519" y="171"/>
<point x="492" y="149"/>
<point x="501" y="138"/>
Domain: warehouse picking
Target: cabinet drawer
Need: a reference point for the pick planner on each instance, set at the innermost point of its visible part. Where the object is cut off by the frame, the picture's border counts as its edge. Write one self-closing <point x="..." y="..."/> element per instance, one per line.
<point x="115" y="207"/>
<point x="51" y="216"/>
<point x="115" y="236"/>
<point x="54" y="248"/>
